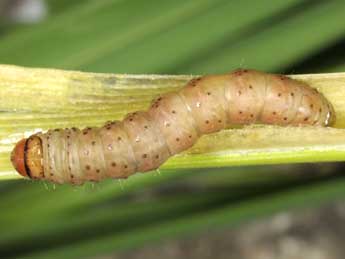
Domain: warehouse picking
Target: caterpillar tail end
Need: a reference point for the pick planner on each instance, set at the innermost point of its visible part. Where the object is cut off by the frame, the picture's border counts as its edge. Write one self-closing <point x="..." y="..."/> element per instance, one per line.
<point x="18" y="158"/>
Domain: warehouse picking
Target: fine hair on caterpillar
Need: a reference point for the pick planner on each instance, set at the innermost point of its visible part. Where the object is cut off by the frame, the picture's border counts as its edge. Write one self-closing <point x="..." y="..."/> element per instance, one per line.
<point x="144" y="140"/>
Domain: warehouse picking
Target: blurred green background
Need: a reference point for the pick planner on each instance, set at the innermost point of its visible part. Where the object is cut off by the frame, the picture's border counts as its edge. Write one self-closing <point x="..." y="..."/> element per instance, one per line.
<point x="164" y="37"/>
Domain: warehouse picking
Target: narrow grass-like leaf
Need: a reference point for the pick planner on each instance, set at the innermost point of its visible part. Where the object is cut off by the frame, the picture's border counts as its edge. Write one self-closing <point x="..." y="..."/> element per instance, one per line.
<point x="314" y="194"/>
<point x="277" y="45"/>
<point x="33" y="99"/>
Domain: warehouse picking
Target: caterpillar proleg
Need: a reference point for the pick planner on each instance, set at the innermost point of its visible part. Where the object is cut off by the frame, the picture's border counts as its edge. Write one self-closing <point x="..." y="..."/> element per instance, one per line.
<point x="144" y="140"/>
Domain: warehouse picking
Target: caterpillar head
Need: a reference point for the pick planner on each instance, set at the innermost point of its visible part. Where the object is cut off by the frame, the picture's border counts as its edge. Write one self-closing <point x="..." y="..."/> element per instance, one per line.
<point x="26" y="157"/>
<point x="18" y="158"/>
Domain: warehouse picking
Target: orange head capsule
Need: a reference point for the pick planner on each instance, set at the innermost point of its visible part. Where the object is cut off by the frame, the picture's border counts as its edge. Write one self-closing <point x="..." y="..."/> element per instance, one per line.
<point x="27" y="159"/>
<point x="18" y="158"/>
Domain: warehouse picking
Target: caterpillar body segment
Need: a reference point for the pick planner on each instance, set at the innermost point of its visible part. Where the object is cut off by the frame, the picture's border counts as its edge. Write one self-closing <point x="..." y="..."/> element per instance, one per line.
<point x="144" y="140"/>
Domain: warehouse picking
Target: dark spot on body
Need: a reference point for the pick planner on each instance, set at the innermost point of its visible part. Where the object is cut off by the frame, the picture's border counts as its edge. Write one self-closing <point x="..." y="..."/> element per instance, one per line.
<point x="97" y="170"/>
<point x="146" y="127"/>
<point x="239" y="72"/>
<point x="207" y="122"/>
<point x="113" y="164"/>
<point x="251" y="115"/>
<point x="279" y="94"/>
<point x="306" y="118"/>
<point x="144" y="156"/>
<point x="157" y="156"/>
<point x="320" y="110"/>
<point x="177" y="139"/>
<point x="208" y="93"/>
<point x="240" y="112"/>
<point x="274" y="113"/>
<point x="190" y="136"/>
<point x="93" y="143"/>
<point x="239" y="92"/>
<point x="285" y="118"/>
<point x="292" y="94"/>
<point x="87" y="167"/>
<point x="220" y="121"/>
<point x="119" y="138"/>
<point x="311" y="106"/>
<point x="194" y="81"/>
<point x="173" y="111"/>
<point x="125" y="166"/>
<point x="250" y="87"/>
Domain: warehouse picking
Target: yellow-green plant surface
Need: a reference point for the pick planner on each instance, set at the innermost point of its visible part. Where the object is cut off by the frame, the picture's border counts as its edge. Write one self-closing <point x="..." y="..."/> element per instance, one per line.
<point x="199" y="189"/>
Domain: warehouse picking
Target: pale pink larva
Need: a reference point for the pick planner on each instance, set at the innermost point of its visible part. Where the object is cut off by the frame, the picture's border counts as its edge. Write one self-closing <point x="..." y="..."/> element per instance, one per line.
<point x="144" y="140"/>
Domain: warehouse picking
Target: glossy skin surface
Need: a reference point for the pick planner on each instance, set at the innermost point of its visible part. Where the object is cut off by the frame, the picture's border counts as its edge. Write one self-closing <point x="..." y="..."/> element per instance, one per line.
<point x="173" y="123"/>
<point x="17" y="157"/>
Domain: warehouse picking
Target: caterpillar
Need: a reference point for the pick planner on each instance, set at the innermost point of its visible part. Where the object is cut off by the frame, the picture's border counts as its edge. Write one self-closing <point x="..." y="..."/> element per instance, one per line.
<point x="144" y="140"/>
